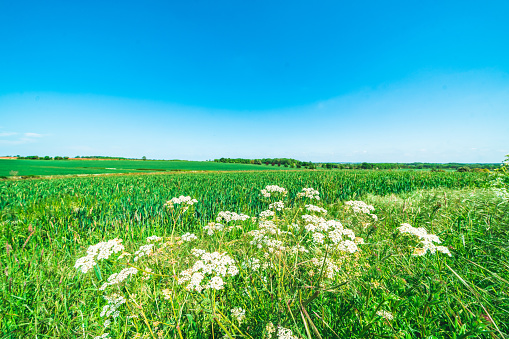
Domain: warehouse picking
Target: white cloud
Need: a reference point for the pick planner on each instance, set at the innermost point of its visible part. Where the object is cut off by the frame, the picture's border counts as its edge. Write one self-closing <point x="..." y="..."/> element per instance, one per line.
<point x="33" y="135"/>
<point x="7" y="134"/>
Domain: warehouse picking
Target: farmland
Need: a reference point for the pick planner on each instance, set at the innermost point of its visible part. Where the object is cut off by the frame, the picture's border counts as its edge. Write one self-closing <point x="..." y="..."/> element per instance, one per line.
<point x="74" y="167"/>
<point x="379" y="290"/>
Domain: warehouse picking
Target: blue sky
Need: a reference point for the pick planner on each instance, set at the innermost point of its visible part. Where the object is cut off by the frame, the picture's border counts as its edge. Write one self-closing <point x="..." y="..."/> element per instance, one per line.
<point x="321" y="81"/>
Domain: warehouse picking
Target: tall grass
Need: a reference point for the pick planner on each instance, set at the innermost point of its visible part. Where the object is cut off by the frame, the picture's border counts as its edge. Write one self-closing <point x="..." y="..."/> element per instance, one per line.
<point x="47" y="225"/>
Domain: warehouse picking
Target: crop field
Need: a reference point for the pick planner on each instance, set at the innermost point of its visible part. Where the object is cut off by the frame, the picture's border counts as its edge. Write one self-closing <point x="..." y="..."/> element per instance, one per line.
<point x="286" y="254"/>
<point x="21" y="167"/>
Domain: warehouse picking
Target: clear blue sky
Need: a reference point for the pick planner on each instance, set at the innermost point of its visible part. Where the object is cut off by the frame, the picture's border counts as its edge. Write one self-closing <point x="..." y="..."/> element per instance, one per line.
<point x="322" y="81"/>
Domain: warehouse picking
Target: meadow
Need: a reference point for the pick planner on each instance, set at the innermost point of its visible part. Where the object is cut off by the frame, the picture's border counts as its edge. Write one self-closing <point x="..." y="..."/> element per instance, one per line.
<point x="22" y="167"/>
<point x="379" y="254"/>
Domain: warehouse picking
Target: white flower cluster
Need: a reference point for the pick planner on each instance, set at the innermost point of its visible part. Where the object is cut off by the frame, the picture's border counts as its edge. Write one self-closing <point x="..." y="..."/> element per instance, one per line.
<point x="104" y="336"/>
<point x="426" y="239"/>
<point x="313" y="208"/>
<point x="385" y="314"/>
<point x="239" y="313"/>
<point x="189" y="237"/>
<point x="272" y="189"/>
<point x="111" y="309"/>
<point x="154" y="238"/>
<point x="499" y="188"/>
<point x="144" y="250"/>
<point x="261" y="236"/>
<point x="267" y="213"/>
<point x="251" y="263"/>
<point x="228" y="216"/>
<point x="213" y="227"/>
<point x="116" y="278"/>
<point x="330" y="268"/>
<point x="333" y="230"/>
<point x="310" y="193"/>
<point x="278" y="205"/>
<point x="213" y="264"/>
<point x="285" y="333"/>
<point x="362" y="207"/>
<point x="181" y="200"/>
<point x="102" y="250"/>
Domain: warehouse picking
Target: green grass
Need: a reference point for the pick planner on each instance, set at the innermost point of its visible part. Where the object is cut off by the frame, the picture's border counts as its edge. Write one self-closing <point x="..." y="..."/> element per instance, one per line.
<point x="48" y="224"/>
<point x="67" y="167"/>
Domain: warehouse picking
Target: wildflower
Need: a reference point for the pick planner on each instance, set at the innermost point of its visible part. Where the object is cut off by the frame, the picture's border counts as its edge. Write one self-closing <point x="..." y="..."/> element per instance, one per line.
<point x="267" y="213"/>
<point x="330" y="268"/>
<point x="189" y="237"/>
<point x="285" y="333"/>
<point x="181" y="200"/>
<point x="111" y="309"/>
<point x="146" y="274"/>
<point x="272" y="189"/>
<point x="270" y="329"/>
<point x="104" y="336"/>
<point x="154" y="238"/>
<point x="213" y="227"/>
<point x="309" y="193"/>
<point x="144" y="250"/>
<point x="167" y="294"/>
<point x="239" y="313"/>
<point x="213" y="264"/>
<point x="318" y="237"/>
<point x="278" y="205"/>
<point x="102" y="250"/>
<point x="314" y="208"/>
<point x="427" y="240"/>
<point x="117" y="278"/>
<point x="228" y="216"/>
<point x="251" y="263"/>
<point x="385" y="314"/>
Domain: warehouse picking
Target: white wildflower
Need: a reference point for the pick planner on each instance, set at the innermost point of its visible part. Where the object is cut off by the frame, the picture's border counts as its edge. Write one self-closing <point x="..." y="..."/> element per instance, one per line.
<point x="167" y="294"/>
<point x="272" y="189"/>
<point x="181" y="200"/>
<point x="427" y="240"/>
<point x="111" y="309"/>
<point x="314" y="208"/>
<point x="210" y="264"/>
<point x="385" y="314"/>
<point x="154" y="238"/>
<point x="278" y="205"/>
<point x="309" y="193"/>
<point x="267" y="213"/>
<point x="239" y="313"/>
<point x="189" y="237"/>
<point x="251" y="263"/>
<point x="228" y="216"/>
<point x="213" y="227"/>
<point x="117" y="278"/>
<point x="144" y="250"/>
<point x="102" y="250"/>
<point x="285" y="333"/>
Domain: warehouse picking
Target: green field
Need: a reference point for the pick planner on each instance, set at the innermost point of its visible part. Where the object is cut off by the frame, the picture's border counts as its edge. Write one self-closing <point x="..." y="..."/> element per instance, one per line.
<point x="70" y="167"/>
<point x="381" y="290"/>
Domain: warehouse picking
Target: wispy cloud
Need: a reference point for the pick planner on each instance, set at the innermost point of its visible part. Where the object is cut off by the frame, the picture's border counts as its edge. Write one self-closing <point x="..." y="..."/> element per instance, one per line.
<point x="27" y="138"/>
<point x="33" y="135"/>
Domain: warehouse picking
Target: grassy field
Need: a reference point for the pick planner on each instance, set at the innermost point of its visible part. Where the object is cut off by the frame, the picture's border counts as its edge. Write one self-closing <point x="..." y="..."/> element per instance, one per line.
<point x="66" y="167"/>
<point x="287" y="274"/>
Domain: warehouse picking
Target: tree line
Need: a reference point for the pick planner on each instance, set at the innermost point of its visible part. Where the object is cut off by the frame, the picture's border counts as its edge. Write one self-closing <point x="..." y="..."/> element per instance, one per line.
<point x="293" y="163"/>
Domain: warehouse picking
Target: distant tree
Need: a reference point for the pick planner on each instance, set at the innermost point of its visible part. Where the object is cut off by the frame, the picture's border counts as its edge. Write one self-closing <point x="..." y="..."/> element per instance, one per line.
<point x="143" y="158"/>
